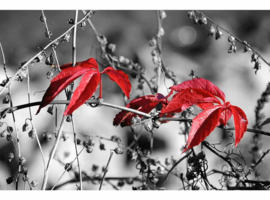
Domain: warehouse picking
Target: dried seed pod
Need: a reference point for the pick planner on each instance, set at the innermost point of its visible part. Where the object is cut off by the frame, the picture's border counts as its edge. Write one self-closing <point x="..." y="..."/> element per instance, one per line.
<point x="68" y="119"/>
<point x="231" y="39"/>
<point x="112" y="47"/>
<point x="42" y="18"/>
<point x="6" y="99"/>
<point x="50" y="110"/>
<point x="95" y="167"/>
<point x="118" y="150"/>
<point x="102" y="147"/>
<point x="121" y="183"/>
<point x="9" y="129"/>
<point x="47" y="136"/>
<point x="219" y="34"/>
<point x="25" y="127"/>
<point x="10" y="157"/>
<point x="10" y="180"/>
<point x="152" y="42"/>
<point x="163" y="14"/>
<point x="246" y="49"/>
<point x="49" y="74"/>
<point x="148" y="126"/>
<point x="83" y="25"/>
<point x="89" y="149"/>
<point x="22" y="160"/>
<point x="257" y="66"/>
<point x="70" y="21"/>
<point x="161" y="32"/>
<point x="34" y="183"/>
<point x="191" y="14"/>
<point x="202" y="21"/>
<point x="68" y="167"/>
<point x="232" y="48"/>
<point x="195" y="20"/>
<point x="49" y="60"/>
<point x="253" y="58"/>
<point x="211" y="31"/>
<point x="65" y="38"/>
<point x="31" y="134"/>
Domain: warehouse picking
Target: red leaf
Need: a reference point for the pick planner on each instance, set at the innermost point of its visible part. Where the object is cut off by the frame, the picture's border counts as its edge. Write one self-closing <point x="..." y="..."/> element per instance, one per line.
<point x="120" y="78"/>
<point x="202" y="125"/>
<point x="188" y="97"/>
<point x="84" y="91"/>
<point x="240" y="123"/>
<point x="143" y="104"/>
<point x="60" y="82"/>
<point x="200" y="83"/>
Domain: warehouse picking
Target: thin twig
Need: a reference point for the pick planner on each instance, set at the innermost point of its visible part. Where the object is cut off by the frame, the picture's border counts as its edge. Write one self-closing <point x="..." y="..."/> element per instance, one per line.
<point x="13" y="116"/>
<point x="45" y="180"/>
<point x="41" y="52"/>
<point x="175" y="164"/>
<point x="261" y="159"/>
<point x="236" y="38"/>
<point x="106" y="170"/>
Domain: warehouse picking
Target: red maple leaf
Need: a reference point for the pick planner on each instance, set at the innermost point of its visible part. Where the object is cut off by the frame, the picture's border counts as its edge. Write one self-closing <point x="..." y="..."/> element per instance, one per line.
<point x="88" y="85"/>
<point x="212" y="115"/>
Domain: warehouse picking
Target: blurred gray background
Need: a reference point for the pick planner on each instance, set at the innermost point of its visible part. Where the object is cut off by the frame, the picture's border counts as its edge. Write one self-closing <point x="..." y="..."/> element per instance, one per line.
<point x="185" y="47"/>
